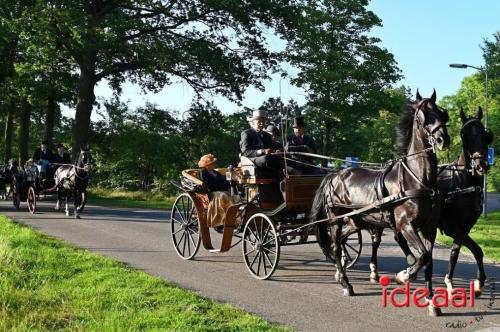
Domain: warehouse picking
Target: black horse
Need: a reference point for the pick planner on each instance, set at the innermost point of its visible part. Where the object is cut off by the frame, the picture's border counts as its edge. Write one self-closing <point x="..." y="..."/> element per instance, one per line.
<point x="462" y="182"/>
<point x="409" y="185"/>
<point x="72" y="181"/>
<point x="461" y="185"/>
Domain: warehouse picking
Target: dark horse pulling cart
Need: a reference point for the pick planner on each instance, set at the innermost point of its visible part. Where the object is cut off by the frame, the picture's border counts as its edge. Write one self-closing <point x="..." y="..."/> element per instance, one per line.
<point x="269" y="214"/>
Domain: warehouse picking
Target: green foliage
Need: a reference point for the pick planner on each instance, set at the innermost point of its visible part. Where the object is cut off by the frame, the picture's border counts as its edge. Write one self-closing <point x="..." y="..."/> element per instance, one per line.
<point x="343" y="70"/>
<point x="46" y="285"/>
<point x="470" y="96"/>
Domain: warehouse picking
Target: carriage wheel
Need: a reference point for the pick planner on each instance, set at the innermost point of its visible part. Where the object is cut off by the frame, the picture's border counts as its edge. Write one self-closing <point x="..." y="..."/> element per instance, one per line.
<point x="261" y="249"/>
<point x="351" y="248"/>
<point x="31" y="200"/>
<point x="185" y="228"/>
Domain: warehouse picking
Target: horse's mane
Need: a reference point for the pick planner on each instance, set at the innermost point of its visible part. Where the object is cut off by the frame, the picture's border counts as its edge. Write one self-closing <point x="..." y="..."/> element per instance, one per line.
<point x="404" y="130"/>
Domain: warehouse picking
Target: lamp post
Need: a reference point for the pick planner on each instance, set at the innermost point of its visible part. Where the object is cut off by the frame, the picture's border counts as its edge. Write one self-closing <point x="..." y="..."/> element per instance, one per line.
<point x="485" y="71"/>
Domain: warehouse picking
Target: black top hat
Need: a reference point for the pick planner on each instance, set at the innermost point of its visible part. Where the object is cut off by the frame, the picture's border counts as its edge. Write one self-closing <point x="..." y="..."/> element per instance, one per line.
<point x="45" y="142"/>
<point x="60" y="145"/>
<point x="298" y="122"/>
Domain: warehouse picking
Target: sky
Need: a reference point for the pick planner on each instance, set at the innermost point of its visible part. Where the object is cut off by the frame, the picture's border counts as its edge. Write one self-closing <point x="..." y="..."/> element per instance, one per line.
<point x="425" y="37"/>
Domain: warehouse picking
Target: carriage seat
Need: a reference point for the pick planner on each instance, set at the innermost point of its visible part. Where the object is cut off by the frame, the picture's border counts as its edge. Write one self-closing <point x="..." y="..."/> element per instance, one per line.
<point x="252" y="174"/>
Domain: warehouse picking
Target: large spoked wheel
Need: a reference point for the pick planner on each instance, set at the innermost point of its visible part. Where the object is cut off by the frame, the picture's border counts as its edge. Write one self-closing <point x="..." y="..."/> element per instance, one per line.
<point x="351" y="248"/>
<point x="261" y="249"/>
<point x="185" y="228"/>
<point x="31" y="200"/>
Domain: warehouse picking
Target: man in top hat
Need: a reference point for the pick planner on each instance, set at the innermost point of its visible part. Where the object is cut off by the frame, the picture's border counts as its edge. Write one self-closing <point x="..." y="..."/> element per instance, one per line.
<point x="257" y="144"/>
<point x="43" y="153"/>
<point x="299" y="142"/>
<point x="61" y="157"/>
<point x="42" y="157"/>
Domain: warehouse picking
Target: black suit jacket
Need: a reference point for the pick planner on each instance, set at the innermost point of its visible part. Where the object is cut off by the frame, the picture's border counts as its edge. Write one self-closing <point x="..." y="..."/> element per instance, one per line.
<point x="251" y="142"/>
<point x="40" y="155"/>
<point x="61" y="160"/>
<point x="307" y="142"/>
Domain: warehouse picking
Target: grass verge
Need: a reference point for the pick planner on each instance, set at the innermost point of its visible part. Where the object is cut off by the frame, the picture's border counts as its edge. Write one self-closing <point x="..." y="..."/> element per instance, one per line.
<point x="485" y="233"/>
<point x="132" y="199"/>
<point x="46" y="285"/>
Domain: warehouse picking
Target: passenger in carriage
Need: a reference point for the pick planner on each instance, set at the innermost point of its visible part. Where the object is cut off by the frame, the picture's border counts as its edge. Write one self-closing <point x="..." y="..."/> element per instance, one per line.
<point x="42" y="158"/>
<point x="275" y="135"/>
<point x="214" y="180"/>
<point x="220" y="198"/>
<point x="299" y="142"/>
<point x="257" y="144"/>
<point x="61" y="157"/>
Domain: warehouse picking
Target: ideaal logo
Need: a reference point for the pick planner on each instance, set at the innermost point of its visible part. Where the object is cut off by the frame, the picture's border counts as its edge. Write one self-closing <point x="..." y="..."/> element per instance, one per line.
<point x="458" y="299"/>
<point x="419" y="296"/>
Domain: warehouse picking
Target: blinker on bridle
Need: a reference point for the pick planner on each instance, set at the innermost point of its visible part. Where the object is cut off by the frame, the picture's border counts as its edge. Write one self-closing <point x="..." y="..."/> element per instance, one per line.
<point x="429" y="132"/>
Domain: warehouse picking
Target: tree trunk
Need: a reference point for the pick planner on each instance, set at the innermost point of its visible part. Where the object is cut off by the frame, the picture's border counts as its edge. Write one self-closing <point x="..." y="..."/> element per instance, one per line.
<point x="328" y="137"/>
<point x="24" y="130"/>
<point x="85" y="101"/>
<point x="8" y="132"/>
<point x="48" y="134"/>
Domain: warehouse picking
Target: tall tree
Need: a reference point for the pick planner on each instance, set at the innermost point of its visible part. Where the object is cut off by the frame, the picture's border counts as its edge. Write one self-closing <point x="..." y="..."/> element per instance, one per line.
<point x="343" y="69"/>
<point x="216" y="46"/>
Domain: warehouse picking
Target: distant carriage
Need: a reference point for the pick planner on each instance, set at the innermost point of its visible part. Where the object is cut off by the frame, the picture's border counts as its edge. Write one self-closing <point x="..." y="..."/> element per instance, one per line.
<point x="268" y="215"/>
<point x="29" y="186"/>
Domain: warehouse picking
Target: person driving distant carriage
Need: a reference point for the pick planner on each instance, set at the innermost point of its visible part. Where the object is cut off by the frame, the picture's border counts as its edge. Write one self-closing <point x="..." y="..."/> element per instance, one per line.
<point x="257" y="144"/>
<point x="42" y="158"/>
<point x="61" y="157"/>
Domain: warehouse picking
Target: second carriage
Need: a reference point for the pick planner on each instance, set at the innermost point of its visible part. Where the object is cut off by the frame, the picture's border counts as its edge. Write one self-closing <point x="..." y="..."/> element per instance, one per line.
<point x="29" y="186"/>
<point x="266" y="213"/>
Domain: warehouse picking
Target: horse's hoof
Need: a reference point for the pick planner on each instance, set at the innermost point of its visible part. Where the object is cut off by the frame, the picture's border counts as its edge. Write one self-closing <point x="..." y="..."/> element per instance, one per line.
<point x="337" y="276"/>
<point x="478" y="289"/>
<point x="402" y="277"/>
<point x="374" y="280"/>
<point x="67" y="214"/>
<point x="348" y="291"/>
<point x="434" y="311"/>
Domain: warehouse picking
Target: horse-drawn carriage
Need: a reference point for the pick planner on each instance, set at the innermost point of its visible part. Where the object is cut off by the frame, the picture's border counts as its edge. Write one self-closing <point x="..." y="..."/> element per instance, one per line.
<point x="266" y="214"/>
<point x="29" y="185"/>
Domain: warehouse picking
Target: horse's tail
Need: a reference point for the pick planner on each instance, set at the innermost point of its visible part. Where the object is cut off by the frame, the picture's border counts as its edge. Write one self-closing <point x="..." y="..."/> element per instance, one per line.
<point x="318" y="211"/>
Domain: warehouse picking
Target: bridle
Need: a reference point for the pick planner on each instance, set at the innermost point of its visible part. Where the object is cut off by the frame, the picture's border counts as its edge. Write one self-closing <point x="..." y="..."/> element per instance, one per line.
<point x="86" y="167"/>
<point x="429" y="132"/>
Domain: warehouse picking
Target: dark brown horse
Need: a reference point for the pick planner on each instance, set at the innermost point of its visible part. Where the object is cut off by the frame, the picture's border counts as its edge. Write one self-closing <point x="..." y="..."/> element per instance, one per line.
<point x="72" y="181"/>
<point x="412" y="182"/>
<point x="462" y="182"/>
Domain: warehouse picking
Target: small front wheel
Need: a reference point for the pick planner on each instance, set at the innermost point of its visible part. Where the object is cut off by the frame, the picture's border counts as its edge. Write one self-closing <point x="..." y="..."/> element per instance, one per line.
<point x="261" y="249"/>
<point x="31" y="200"/>
<point x="185" y="228"/>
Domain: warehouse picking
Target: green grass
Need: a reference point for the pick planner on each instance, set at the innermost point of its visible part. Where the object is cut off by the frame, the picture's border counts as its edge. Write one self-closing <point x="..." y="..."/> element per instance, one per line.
<point x="486" y="233"/>
<point x="46" y="285"/>
<point x="132" y="199"/>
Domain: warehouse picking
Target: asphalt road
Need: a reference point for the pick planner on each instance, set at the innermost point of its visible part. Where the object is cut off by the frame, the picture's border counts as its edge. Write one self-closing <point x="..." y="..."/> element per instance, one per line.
<point x="301" y="294"/>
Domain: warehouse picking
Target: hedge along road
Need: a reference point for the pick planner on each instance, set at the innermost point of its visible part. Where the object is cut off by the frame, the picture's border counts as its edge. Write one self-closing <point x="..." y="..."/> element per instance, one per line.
<point x="301" y="294"/>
